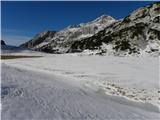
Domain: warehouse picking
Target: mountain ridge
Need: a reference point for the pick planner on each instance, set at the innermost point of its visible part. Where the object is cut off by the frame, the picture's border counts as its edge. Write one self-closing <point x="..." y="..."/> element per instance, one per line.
<point x="137" y="33"/>
<point x="68" y="35"/>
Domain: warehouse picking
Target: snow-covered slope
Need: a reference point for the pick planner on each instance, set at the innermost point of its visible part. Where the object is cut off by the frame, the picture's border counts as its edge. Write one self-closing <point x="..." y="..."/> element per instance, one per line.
<point x="80" y="87"/>
<point x="138" y="33"/>
<point x="39" y="40"/>
<point x="61" y="41"/>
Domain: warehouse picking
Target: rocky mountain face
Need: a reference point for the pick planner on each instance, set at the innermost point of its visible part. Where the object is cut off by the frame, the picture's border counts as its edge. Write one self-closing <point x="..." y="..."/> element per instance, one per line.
<point x="39" y="40"/>
<point x="137" y="33"/>
<point x="61" y="41"/>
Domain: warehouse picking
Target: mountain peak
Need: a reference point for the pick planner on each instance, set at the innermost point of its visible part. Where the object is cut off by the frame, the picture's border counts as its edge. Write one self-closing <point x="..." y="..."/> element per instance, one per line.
<point x="104" y="18"/>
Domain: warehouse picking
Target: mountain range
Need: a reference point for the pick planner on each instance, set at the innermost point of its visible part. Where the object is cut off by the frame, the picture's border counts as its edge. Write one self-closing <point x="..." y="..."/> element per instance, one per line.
<point x="138" y="33"/>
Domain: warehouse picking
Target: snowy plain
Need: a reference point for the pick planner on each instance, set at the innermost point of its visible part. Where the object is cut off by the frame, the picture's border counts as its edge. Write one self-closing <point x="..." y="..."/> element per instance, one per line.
<point x="76" y="87"/>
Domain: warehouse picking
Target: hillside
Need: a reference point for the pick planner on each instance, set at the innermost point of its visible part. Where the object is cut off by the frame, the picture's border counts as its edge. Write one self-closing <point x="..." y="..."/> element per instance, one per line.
<point x="138" y="33"/>
<point x="61" y="41"/>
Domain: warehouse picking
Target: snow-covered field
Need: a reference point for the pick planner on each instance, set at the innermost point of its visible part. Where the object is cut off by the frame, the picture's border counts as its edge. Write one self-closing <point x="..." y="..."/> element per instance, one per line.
<point x="80" y="87"/>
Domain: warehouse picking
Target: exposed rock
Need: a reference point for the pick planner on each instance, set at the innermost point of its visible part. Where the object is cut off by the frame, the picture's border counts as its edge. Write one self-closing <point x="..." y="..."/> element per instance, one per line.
<point x="140" y="31"/>
<point x="39" y="39"/>
<point x="137" y="33"/>
<point x="62" y="40"/>
<point x="2" y="42"/>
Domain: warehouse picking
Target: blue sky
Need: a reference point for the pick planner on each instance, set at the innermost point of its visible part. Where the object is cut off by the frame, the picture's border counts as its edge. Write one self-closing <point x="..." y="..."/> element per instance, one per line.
<point x="22" y="20"/>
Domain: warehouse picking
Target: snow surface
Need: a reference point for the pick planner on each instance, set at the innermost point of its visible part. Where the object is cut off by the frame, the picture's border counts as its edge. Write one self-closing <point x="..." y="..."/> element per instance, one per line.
<point x="80" y="87"/>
